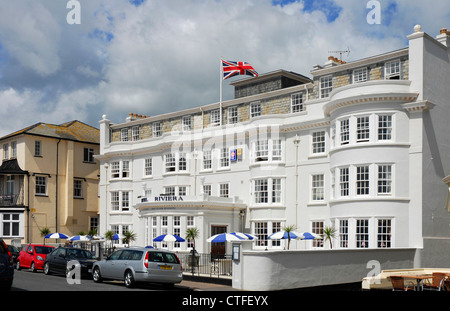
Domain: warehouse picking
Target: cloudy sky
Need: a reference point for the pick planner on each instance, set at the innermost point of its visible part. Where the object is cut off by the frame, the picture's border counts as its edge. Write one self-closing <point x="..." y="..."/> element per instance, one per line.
<point x="155" y="56"/>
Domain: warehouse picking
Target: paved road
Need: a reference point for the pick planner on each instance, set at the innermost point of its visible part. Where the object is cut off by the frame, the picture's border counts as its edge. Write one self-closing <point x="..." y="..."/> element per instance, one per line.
<point x="25" y="280"/>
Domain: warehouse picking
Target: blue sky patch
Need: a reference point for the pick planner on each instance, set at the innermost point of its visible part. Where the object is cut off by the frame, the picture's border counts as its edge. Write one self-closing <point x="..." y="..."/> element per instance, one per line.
<point x="389" y="13"/>
<point x="328" y="7"/>
<point x="102" y="35"/>
<point x="136" y="2"/>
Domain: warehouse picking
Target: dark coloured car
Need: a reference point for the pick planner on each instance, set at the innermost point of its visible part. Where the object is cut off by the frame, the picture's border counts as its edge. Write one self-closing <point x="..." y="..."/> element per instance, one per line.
<point x="64" y="259"/>
<point x="6" y="266"/>
<point x="14" y="252"/>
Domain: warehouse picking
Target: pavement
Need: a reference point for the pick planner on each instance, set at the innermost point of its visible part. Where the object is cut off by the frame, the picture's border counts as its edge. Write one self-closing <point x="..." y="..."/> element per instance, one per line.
<point x="206" y="284"/>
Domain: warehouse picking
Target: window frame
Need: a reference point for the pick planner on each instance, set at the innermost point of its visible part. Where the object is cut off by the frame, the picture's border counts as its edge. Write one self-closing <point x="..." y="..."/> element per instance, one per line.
<point x="388" y="74"/>
<point x="186" y="123"/>
<point x="78" y="188"/>
<point x="318" y="187"/>
<point x="41" y="185"/>
<point x="362" y="180"/>
<point x="38" y="148"/>
<point x="135" y="133"/>
<point x="214" y="118"/>
<point x="385" y="127"/>
<point x="360" y="75"/>
<point x="363" y="128"/>
<point x="385" y="179"/>
<point x="88" y="155"/>
<point x="384" y="232"/>
<point x="344" y="131"/>
<point x="224" y="158"/>
<point x="148" y="167"/>
<point x="124" y="134"/>
<point x="156" y="129"/>
<point x="233" y="115"/>
<point x="255" y="109"/>
<point x="297" y="103"/>
<point x="318" y="143"/>
<point x="325" y="86"/>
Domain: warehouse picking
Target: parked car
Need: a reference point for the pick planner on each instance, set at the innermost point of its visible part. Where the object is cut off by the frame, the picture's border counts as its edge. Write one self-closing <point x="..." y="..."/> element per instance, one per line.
<point x="14" y="252"/>
<point x="32" y="256"/>
<point x="6" y="266"/>
<point x="57" y="261"/>
<point x="140" y="265"/>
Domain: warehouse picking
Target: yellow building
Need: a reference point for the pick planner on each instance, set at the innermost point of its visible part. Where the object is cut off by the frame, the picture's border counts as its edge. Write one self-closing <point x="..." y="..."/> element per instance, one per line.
<point x="48" y="179"/>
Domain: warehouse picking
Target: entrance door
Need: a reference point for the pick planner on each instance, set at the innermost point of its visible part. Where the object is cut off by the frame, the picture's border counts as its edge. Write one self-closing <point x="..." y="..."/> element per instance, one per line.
<point x="218" y="249"/>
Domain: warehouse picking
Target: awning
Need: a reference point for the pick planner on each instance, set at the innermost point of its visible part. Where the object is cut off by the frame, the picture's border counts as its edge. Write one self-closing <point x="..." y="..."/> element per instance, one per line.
<point x="11" y="167"/>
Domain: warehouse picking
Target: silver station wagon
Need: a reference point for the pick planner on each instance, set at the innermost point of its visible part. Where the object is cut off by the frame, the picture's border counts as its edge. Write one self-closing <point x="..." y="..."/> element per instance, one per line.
<point x="139" y="265"/>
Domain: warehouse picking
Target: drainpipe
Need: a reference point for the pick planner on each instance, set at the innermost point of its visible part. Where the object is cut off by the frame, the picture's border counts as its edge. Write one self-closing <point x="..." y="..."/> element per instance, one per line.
<point x="56" y="203"/>
<point x="28" y="208"/>
<point x="296" y="142"/>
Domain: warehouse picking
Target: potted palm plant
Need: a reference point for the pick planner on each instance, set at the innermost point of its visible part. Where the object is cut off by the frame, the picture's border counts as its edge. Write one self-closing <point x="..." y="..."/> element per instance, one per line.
<point x="289" y="229"/>
<point x="128" y="237"/>
<point x="192" y="234"/>
<point x="329" y="233"/>
<point x="44" y="232"/>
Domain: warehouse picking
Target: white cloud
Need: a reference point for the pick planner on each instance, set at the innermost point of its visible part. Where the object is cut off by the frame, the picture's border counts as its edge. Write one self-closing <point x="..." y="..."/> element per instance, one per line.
<point x="30" y="33"/>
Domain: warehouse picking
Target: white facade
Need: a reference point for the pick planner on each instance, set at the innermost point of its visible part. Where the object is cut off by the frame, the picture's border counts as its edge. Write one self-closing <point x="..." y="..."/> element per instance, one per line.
<point x="362" y="146"/>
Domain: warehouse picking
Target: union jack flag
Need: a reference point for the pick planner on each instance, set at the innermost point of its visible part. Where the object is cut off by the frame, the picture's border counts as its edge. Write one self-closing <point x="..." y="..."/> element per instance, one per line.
<point x="232" y="68"/>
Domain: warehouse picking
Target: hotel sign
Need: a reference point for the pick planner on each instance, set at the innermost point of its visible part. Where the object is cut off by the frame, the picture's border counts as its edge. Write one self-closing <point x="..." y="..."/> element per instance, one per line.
<point x="168" y="198"/>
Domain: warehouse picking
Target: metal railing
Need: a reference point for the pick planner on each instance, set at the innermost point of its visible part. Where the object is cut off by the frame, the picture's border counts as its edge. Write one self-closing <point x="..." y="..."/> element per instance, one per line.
<point x="206" y="264"/>
<point x="15" y="199"/>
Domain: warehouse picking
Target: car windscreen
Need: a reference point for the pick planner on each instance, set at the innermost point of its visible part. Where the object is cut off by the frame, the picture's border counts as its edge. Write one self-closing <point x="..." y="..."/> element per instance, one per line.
<point x="79" y="253"/>
<point x="43" y="249"/>
<point x="163" y="257"/>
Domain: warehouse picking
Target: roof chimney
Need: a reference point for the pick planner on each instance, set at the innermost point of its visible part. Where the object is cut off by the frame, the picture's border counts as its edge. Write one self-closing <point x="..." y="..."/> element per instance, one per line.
<point x="444" y="37"/>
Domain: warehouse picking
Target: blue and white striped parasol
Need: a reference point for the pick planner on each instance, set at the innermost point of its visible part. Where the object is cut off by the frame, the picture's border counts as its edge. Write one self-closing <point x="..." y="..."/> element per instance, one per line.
<point x="224" y="237"/>
<point x="56" y="235"/>
<point x="169" y="238"/>
<point x="309" y="236"/>
<point x="284" y="235"/>
<point x="245" y="236"/>
<point x="80" y="238"/>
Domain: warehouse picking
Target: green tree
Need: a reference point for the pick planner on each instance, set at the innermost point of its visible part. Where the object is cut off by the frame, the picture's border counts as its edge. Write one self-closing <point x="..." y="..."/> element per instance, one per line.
<point x="329" y="233"/>
<point x="44" y="231"/>
<point x="109" y="236"/>
<point x="128" y="237"/>
<point x="289" y="229"/>
<point x="192" y="234"/>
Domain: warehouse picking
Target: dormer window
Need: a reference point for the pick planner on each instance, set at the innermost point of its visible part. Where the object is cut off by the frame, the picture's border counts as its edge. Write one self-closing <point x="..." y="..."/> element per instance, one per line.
<point x="360" y="75"/>
<point x="392" y="70"/>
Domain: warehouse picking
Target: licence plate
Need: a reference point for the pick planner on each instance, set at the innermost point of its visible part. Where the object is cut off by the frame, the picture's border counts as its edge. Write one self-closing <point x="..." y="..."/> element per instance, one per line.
<point x="165" y="267"/>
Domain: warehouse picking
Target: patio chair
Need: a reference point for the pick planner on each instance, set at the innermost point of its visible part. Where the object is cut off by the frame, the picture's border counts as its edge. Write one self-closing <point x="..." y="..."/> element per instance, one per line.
<point x="446" y="284"/>
<point x="398" y="284"/>
<point x="436" y="283"/>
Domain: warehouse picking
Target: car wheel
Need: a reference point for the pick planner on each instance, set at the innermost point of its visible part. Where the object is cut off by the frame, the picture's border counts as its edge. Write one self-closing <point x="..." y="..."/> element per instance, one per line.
<point x="18" y="265"/>
<point x="46" y="268"/>
<point x="96" y="276"/>
<point x="129" y="279"/>
<point x="32" y="267"/>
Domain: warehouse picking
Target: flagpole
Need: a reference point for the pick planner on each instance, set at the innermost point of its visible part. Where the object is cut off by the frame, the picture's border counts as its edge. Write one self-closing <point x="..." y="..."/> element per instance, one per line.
<point x="221" y="86"/>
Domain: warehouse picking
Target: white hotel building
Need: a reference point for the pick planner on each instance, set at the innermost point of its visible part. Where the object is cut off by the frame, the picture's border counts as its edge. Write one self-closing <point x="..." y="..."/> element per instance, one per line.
<point x="363" y="146"/>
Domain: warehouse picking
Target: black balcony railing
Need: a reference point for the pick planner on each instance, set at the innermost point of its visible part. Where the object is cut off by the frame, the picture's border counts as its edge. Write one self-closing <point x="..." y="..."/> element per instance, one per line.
<point x="15" y="199"/>
<point x="206" y="264"/>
